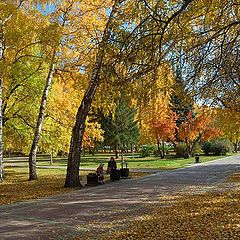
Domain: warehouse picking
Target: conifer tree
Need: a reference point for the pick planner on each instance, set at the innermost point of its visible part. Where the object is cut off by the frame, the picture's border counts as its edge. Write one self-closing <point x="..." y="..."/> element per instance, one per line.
<point x="121" y="129"/>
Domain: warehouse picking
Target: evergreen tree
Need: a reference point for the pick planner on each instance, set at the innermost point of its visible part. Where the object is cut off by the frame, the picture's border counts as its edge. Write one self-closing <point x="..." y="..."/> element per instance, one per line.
<point x="181" y="101"/>
<point x="121" y="130"/>
<point x="182" y="104"/>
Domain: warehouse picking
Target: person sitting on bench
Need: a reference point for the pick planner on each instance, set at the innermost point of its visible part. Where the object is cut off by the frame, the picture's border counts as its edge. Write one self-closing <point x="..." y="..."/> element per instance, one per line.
<point x="112" y="165"/>
<point x="112" y="169"/>
<point x="100" y="173"/>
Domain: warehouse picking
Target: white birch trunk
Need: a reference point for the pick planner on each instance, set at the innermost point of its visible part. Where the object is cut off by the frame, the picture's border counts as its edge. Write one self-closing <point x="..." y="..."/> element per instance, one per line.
<point x="37" y="134"/>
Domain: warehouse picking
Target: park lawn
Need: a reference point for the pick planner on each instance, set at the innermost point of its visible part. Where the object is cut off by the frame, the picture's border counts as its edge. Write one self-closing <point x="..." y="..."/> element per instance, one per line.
<point x="17" y="188"/>
<point x="151" y="162"/>
<point x="166" y="164"/>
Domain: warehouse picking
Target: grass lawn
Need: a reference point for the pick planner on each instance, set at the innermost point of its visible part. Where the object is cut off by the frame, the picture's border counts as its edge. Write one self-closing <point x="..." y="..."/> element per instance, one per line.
<point x="149" y="162"/>
<point x="16" y="186"/>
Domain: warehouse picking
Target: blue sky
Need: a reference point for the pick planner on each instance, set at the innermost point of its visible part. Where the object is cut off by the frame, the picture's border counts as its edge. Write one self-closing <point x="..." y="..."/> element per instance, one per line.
<point x="48" y="9"/>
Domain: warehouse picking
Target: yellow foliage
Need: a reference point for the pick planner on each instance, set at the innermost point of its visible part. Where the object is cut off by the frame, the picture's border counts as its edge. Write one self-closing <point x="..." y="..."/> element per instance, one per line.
<point x="229" y="122"/>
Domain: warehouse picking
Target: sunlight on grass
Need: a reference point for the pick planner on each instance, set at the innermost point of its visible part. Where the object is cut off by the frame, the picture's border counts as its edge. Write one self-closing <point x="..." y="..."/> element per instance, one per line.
<point x="149" y="162"/>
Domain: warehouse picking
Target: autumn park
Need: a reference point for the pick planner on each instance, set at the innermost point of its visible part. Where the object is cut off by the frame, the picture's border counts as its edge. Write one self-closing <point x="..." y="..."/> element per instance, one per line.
<point x="119" y="119"/>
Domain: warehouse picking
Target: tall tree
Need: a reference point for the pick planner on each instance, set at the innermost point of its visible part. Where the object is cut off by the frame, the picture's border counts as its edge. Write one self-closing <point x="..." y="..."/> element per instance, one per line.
<point x="228" y="121"/>
<point x="120" y="63"/>
<point x="72" y="178"/>
<point x="33" y="151"/>
<point x="209" y="47"/>
<point x="7" y="10"/>
<point x="42" y="109"/>
<point x="163" y="126"/>
<point x="66" y="37"/>
<point x="181" y="100"/>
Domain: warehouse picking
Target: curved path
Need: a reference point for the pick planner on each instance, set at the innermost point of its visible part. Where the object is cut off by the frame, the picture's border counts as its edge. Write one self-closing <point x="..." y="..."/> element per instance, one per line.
<point x="86" y="211"/>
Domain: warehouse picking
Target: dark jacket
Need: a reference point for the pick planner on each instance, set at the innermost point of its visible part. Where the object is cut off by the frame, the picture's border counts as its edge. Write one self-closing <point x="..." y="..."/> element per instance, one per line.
<point x="112" y="164"/>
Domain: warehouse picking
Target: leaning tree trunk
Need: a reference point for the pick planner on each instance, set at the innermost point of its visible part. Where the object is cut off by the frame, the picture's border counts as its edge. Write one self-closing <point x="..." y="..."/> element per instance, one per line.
<point x="74" y="156"/>
<point x="33" y="152"/>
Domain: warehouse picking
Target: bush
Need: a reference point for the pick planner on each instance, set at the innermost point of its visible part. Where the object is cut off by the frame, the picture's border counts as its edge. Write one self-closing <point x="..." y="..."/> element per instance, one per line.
<point x="197" y="149"/>
<point x="181" y="150"/>
<point x="206" y="148"/>
<point x="146" y="150"/>
<point x="217" y="147"/>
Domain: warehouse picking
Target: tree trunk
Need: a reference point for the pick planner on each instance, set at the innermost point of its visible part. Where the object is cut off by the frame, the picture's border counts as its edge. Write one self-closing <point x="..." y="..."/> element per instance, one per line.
<point x="1" y="87"/>
<point x="72" y="177"/>
<point x="159" y="151"/>
<point x="116" y="150"/>
<point x="1" y="142"/>
<point x="163" y="150"/>
<point x="33" y="151"/>
<point x="235" y="144"/>
<point x="122" y="153"/>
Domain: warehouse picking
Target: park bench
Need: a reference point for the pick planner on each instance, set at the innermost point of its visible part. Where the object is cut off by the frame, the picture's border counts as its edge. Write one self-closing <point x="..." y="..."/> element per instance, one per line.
<point x="92" y="178"/>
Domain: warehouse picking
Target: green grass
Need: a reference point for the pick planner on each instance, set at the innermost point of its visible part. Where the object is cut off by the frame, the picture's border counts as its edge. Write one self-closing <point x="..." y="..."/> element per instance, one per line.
<point x="151" y="162"/>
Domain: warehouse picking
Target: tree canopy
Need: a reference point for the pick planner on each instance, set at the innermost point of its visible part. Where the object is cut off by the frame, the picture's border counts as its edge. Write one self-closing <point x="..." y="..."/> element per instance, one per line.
<point x="163" y="55"/>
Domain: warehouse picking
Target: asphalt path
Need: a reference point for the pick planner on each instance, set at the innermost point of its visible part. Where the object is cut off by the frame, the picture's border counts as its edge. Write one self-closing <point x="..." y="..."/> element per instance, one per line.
<point x="87" y="211"/>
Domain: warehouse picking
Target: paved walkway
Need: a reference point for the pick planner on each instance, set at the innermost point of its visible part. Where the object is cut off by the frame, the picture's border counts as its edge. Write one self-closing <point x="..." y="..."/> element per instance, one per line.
<point x="84" y="211"/>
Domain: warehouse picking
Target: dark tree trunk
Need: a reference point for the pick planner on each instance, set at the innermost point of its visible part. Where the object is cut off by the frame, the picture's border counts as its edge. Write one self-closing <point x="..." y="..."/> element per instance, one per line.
<point x="1" y="142"/>
<point x="122" y="153"/>
<point x="158" y="148"/>
<point x="136" y="148"/>
<point x="163" y="150"/>
<point x="116" y="150"/>
<point x="72" y="178"/>
<point x="37" y="134"/>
